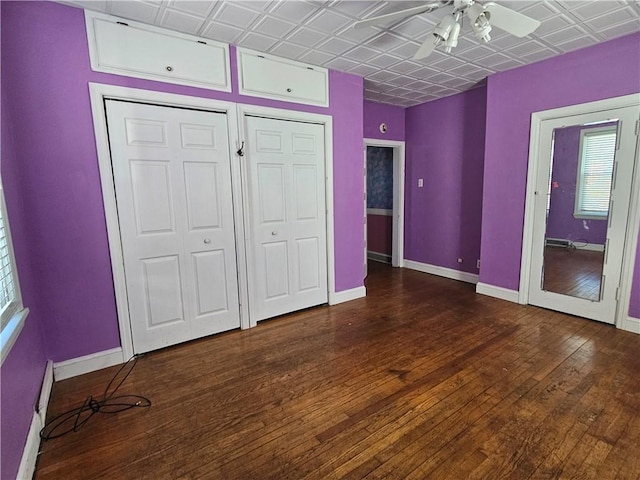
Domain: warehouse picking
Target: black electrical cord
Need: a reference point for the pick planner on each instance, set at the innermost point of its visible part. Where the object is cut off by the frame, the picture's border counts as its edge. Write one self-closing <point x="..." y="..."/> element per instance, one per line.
<point x="73" y="420"/>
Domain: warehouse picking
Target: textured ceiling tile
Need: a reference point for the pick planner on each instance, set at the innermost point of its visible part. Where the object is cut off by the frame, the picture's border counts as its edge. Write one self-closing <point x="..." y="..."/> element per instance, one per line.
<point x="385" y="41"/>
<point x="575" y="44"/>
<point x="306" y="37"/>
<point x="406" y="50"/>
<point x="256" y="41"/>
<point x="612" y="18"/>
<point x="335" y="46"/>
<point x="316" y="58"/>
<point x="181" y="22"/>
<point x="361" y="53"/>
<point x="341" y="64"/>
<point x="222" y="33"/>
<point x="142" y="12"/>
<point x="236" y="15"/>
<point x="619" y="30"/>
<point x="328" y="21"/>
<point x="553" y="25"/>
<point x="199" y="8"/>
<point x="273" y="27"/>
<point x="287" y="50"/>
<point x="384" y="60"/>
<point x="404" y="67"/>
<point x="364" y="70"/>
<point x="293" y="11"/>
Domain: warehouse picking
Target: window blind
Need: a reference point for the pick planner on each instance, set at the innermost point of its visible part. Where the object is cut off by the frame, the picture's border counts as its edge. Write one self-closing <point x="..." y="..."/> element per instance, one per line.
<point x="8" y="293"/>
<point x="595" y="174"/>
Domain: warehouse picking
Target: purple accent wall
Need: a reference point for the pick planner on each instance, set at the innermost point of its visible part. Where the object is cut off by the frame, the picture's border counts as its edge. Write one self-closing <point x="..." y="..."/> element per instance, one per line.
<point x="445" y="147"/>
<point x="377" y="113"/>
<point x="23" y="369"/>
<point x="561" y="223"/>
<point x="511" y="98"/>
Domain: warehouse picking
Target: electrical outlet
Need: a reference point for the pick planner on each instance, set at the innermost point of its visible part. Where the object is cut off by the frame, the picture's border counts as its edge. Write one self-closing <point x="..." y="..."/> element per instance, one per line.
<point x="478" y="264"/>
<point x="420" y="183"/>
<point x="460" y="260"/>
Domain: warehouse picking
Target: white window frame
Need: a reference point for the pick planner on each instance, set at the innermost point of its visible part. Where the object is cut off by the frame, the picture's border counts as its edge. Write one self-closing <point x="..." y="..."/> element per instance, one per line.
<point x="584" y="134"/>
<point x="13" y="316"/>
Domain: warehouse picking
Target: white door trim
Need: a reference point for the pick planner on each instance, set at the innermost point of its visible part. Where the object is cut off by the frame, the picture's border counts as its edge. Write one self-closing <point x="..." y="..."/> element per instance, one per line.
<point x="98" y="93"/>
<point x="327" y="121"/>
<point x="633" y="221"/>
<point x="397" y="241"/>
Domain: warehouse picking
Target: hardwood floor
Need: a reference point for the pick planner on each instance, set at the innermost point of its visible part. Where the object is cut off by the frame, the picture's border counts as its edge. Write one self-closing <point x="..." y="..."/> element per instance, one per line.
<point x="573" y="272"/>
<point x="422" y="379"/>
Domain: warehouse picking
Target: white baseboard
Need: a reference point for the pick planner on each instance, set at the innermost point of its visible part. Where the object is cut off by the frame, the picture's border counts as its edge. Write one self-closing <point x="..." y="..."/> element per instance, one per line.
<point x="378" y="257"/>
<point x="45" y="392"/>
<point x="347" y="295"/>
<point x="631" y="324"/>
<point x="498" y="292"/>
<point x="88" y="363"/>
<point x="27" y="466"/>
<point x="441" y="271"/>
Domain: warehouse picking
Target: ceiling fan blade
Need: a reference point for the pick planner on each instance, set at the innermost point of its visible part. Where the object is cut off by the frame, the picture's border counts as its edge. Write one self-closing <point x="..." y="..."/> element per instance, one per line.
<point x="382" y="19"/>
<point x="511" y="21"/>
<point x="426" y="48"/>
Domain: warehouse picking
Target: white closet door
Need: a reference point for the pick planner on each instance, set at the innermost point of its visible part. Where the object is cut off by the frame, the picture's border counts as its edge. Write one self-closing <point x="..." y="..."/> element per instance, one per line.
<point x="172" y="177"/>
<point x="287" y="248"/>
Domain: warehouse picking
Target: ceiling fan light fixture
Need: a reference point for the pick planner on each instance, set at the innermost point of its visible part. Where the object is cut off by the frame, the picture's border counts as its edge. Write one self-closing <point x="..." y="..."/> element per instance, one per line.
<point x="482" y="32"/>
<point x="443" y="30"/>
<point x="452" y="41"/>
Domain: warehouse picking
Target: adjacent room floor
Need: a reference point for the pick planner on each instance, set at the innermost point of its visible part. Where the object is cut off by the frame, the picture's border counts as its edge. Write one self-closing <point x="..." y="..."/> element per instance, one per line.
<point x="421" y="379"/>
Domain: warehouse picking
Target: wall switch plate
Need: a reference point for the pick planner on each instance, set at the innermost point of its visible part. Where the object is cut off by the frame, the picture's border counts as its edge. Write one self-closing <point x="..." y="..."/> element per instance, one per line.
<point x="420" y="183"/>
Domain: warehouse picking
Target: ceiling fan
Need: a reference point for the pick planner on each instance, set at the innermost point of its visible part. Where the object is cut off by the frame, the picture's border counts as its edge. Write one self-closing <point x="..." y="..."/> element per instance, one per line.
<point x="481" y="16"/>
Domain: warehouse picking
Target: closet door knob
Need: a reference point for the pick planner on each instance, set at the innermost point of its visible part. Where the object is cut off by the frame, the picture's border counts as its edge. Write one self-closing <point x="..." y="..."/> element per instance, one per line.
<point x="207" y="241"/>
<point x="274" y="233"/>
<point x="169" y="68"/>
<point x="289" y="90"/>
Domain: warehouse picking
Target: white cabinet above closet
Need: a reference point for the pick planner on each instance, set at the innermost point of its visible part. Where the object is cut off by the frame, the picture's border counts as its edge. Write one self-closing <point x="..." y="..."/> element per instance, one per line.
<point x="267" y="76"/>
<point x="137" y="50"/>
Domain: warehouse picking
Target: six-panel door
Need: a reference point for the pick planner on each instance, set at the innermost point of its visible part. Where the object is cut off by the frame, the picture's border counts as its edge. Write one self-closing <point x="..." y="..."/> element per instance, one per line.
<point x="172" y="177"/>
<point x="286" y="248"/>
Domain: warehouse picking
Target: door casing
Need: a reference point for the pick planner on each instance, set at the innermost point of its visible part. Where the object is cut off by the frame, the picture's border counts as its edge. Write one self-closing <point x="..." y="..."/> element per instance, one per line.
<point x="99" y="92"/>
<point x="622" y="319"/>
<point x="397" y="238"/>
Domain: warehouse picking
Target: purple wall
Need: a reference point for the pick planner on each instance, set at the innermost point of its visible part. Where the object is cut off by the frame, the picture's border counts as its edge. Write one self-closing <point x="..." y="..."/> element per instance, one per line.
<point x="445" y="147"/>
<point x="54" y="135"/>
<point x="377" y="113"/>
<point x="380" y="234"/>
<point x="23" y="369"/>
<point x="511" y="98"/>
<point x="561" y="223"/>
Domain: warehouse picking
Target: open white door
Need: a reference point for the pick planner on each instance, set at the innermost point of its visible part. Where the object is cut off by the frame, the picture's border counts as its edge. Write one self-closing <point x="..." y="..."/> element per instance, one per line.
<point x="575" y="269"/>
<point x="286" y="216"/>
<point x="172" y="180"/>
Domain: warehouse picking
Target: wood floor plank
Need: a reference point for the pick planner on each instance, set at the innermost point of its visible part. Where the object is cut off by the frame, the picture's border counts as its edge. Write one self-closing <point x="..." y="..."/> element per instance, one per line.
<point x="421" y="379"/>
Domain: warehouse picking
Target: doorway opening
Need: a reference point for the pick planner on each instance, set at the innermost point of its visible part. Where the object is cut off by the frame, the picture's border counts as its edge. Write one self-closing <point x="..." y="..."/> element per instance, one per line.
<point x="384" y="202"/>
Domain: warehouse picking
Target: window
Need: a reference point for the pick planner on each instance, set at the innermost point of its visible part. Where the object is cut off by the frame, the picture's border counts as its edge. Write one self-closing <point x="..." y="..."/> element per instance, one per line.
<point x="595" y="169"/>
<point x="12" y="313"/>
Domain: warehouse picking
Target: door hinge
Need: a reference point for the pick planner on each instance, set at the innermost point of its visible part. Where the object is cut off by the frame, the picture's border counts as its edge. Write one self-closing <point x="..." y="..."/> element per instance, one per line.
<point x="617" y="294"/>
<point x="638" y="127"/>
<point x="618" y="134"/>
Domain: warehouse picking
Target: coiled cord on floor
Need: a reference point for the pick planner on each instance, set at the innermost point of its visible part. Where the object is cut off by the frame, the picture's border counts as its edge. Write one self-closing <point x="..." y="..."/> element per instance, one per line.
<point x="74" y="420"/>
